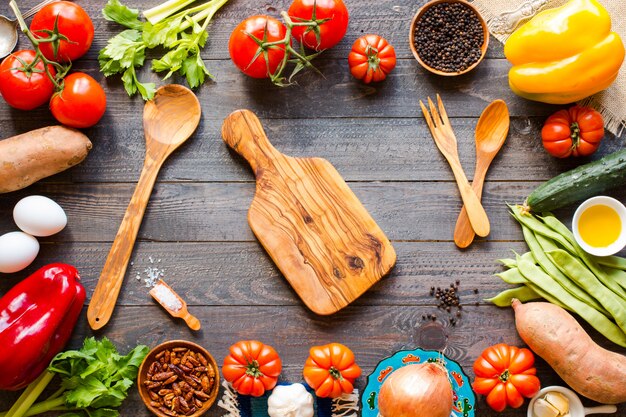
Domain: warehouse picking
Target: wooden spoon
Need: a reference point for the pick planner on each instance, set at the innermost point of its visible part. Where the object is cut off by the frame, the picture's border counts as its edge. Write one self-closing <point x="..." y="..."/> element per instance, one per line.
<point x="169" y="119"/>
<point x="491" y="131"/>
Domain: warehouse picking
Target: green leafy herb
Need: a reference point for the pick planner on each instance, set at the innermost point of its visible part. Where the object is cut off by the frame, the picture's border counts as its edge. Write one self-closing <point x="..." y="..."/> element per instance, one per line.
<point x="182" y="35"/>
<point x="94" y="382"/>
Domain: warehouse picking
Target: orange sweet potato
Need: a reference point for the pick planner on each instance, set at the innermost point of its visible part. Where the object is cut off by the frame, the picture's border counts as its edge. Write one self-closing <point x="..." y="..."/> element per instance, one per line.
<point x="29" y="157"/>
<point x="556" y="336"/>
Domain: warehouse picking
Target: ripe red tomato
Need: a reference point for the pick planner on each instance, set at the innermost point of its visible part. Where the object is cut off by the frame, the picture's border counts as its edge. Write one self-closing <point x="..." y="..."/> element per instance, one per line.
<point x="505" y="375"/>
<point x="81" y="103"/>
<point x="252" y="367"/>
<point x="243" y="49"/>
<point x="24" y="90"/>
<point x="574" y="132"/>
<point x="73" y="23"/>
<point x="329" y="32"/>
<point x="371" y="58"/>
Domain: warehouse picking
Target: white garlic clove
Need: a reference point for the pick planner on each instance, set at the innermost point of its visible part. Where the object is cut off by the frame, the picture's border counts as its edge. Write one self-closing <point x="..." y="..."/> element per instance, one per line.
<point x="558" y="401"/>
<point x="542" y="408"/>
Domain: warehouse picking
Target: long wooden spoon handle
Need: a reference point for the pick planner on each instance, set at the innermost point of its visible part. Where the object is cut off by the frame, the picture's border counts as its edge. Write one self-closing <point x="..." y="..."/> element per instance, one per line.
<point x="463" y="232"/>
<point x="243" y="132"/>
<point x="108" y="288"/>
<point x="475" y="211"/>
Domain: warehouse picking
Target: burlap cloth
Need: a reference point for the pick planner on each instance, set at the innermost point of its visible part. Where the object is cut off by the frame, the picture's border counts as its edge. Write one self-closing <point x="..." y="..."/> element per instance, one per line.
<point x="503" y="16"/>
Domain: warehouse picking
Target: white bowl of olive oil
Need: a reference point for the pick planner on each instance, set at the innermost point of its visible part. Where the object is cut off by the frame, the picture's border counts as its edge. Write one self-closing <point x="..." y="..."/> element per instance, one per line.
<point x="599" y="226"/>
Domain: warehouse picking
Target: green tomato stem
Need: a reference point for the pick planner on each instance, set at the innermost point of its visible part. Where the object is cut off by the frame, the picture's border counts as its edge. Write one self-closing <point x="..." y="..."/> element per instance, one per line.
<point x="60" y="69"/>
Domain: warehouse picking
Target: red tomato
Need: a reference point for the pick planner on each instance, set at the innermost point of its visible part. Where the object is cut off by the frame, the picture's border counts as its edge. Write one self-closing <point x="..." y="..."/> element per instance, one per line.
<point x="81" y="103"/>
<point x="332" y="17"/>
<point x="574" y="132"/>
<point x="24" y="90"/>
<point x="252" y="367"/>
<point x="505" y="374"/>
<point x="371" y="58"/>
<point x="73" y="23"/>
<point x="243" y="49"/>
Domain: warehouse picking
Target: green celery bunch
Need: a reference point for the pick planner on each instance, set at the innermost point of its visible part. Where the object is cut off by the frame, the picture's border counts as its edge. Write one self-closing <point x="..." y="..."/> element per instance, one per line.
<point x="182" y="35"/>
<point x="94" y="382"/>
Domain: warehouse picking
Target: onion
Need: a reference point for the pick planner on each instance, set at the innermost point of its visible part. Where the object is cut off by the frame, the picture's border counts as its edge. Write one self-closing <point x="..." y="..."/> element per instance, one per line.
<point x="421" y="390"/>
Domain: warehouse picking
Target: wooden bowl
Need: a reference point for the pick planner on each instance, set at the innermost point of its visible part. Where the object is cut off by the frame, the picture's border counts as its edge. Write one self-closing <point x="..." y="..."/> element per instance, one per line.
<point x="418" y="16"/>
<point x="147" y="362"/>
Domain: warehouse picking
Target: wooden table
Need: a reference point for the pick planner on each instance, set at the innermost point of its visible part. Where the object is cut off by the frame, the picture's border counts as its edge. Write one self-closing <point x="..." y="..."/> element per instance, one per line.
<point x="195" y="225"/>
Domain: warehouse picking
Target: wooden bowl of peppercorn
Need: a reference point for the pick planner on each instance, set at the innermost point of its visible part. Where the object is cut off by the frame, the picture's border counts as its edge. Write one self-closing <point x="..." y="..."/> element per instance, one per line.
<point x="178" y="378"/>
<point x="448" y="37"/>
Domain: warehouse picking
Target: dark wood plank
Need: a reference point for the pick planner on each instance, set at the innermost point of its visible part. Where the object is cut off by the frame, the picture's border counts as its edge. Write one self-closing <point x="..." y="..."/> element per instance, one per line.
<point x="240" y="273"/>
<point x="390" y="19"/>
<point x="362" y="149"/>
<point x="336" y="94"/>
<point x="373" y="334"/>
<point x="416" y="211"/>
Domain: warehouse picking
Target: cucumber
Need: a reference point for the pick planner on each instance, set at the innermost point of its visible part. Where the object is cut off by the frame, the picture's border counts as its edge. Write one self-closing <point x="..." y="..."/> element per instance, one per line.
<point x="579" y="183"/>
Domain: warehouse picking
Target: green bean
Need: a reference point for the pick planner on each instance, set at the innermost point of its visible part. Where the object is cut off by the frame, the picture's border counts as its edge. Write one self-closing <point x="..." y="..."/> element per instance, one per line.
<point x="539" y="245"/>
<point x="610" y="279"/>
<point x="596" y="319"/>
<point x="512" y="276"/>
<point x="537" y="226"/>
<point x="614" y="262"/>
<point x="504" y="298"/>
<point x="508" y="262"/>
<point x="579" y="273"/>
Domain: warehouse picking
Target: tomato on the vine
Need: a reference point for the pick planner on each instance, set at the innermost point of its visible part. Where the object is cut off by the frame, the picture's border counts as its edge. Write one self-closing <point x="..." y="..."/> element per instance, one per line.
<point x="252" y="367"/>
<point x="505" y="374"/>
<point x="81" y="103"/>
<point x="23" y="87"/>
<point x="247" y="54"/>
<point x="577" y="131"/>
<point x="73" y="23"/>
<point x="371" y="58"/>
<point x="332" y="17"/>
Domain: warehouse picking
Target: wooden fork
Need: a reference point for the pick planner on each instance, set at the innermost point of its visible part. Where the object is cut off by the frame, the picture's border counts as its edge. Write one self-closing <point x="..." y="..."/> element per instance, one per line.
<point x="443" y="135"/>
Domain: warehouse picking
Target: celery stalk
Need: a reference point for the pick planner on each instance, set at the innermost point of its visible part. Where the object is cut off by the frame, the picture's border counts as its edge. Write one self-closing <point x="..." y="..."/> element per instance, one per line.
<point x="160" y="12"/>
<point x="30" y="395"/>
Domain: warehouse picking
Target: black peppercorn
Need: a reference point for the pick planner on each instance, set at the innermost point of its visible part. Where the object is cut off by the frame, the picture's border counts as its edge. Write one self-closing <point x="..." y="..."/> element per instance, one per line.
<point x="449" y="37"/>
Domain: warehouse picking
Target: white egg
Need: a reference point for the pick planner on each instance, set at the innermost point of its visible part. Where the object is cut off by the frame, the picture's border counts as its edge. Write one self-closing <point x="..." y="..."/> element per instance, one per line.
<point x="17" y="251"/>
<point x="39" y="216"/>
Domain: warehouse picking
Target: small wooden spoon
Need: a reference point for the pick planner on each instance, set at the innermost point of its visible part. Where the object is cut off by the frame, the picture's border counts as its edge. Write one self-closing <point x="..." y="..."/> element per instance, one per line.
<point x="182" y="312"/>
<point x="491" y="131"/>
<point x="169" y="119"/>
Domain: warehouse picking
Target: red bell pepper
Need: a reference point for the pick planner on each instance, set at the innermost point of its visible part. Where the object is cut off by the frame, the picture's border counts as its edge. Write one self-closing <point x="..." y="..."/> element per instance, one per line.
<point x="37" y="317"/>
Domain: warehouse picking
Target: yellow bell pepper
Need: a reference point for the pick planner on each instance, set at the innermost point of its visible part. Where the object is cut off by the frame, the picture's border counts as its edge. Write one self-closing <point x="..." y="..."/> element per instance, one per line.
<point x="564" y="54"/>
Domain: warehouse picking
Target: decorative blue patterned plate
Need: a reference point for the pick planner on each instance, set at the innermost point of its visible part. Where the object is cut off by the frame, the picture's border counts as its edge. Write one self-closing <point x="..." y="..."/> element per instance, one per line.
<point x="463" y="396"/>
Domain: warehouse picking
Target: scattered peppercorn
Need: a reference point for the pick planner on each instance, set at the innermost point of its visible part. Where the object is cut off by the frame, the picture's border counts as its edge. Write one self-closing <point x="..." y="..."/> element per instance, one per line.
<point x="448" y="37"/>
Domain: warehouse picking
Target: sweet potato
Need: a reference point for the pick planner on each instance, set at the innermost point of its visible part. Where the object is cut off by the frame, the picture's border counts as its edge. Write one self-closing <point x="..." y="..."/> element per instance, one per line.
<point x="552" y="333"/>
<point x="29" y="157"/>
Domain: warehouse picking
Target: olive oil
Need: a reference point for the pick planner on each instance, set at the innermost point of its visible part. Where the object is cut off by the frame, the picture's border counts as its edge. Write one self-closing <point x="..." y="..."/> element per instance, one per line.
<point x="599" y="226"/>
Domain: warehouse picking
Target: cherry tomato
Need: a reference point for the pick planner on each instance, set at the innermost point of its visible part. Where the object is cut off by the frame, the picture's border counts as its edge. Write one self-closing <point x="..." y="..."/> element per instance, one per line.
<point x="24" y="90"/>
<point x="73" y="23"/>
<point x="371" y="58"/>
<point x="243" y="49"/>
<point x="332" y="17"/>
<point x="81" y="103"/>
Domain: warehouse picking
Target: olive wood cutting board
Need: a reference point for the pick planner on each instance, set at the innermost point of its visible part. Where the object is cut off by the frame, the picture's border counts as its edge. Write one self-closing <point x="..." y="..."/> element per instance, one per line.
<point x="311" y="224"/>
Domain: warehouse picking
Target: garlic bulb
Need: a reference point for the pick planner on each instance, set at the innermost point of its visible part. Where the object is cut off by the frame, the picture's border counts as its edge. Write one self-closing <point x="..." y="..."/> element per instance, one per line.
<point x="290" y="401"/>
<point x="553" y="404"/>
